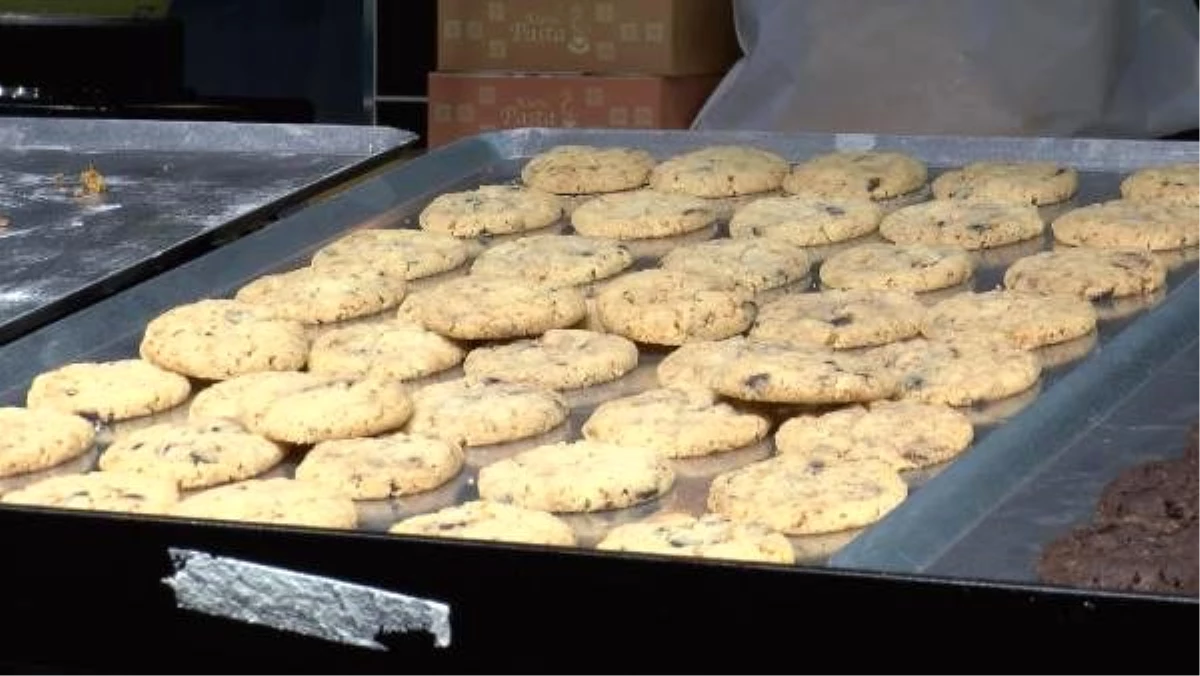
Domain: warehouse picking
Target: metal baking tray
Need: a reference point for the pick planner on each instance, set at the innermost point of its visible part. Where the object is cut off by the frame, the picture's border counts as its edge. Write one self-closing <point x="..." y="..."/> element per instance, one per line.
<point x="121" y="318"/>
<point x="174" y="189"/>
<point x="989" y="515"/>
<point x="592" y="588"/>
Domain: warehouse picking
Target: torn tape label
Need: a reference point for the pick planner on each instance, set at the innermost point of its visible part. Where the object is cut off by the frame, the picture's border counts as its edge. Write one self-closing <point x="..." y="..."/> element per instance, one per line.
<point x="306" y="604"/>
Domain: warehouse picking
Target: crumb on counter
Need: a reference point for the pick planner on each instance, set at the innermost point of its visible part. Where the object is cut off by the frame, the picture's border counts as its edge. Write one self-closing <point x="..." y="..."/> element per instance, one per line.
<point x="91" y="182"/>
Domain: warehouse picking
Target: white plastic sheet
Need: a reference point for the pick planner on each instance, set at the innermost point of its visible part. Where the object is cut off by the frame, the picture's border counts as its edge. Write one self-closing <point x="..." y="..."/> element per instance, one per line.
<point x="1106" y="68"/>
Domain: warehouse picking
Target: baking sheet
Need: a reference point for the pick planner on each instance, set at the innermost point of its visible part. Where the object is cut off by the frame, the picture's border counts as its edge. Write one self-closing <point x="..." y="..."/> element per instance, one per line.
<point x="173" y="188"/>
<point x="112" y="328"/>
<point x="1040" y="475"/>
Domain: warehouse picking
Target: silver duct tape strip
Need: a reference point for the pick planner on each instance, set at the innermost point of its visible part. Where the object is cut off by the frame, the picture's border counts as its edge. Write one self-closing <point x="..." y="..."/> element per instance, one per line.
<point x="311" y="605"/>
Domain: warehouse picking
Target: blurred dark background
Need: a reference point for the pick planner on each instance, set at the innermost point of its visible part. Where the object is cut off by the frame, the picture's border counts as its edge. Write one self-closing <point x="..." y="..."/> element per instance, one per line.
<point x="332" y="61"/>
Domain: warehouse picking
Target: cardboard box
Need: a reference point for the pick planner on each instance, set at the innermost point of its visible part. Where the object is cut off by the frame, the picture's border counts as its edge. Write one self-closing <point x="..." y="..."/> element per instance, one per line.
<point x="462" y="104"/>
<point x="658" y="37"/>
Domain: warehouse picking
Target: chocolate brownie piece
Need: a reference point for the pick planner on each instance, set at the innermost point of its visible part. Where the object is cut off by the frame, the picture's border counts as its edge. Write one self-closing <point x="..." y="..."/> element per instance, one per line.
<point x="1125" y="555"/>
<point x="1165" y="493"/>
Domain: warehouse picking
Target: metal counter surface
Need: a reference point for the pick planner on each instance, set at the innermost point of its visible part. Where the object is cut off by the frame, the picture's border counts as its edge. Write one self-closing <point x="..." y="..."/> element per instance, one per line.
<point x="173" y="190"/>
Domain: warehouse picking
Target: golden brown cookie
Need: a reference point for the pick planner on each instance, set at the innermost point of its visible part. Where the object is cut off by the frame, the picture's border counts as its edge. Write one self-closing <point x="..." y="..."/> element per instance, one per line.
<point x="409" y="254"/>
<point x="802" y="375"/>
<point x="490" y="210"/>
<point x="219" y="339"/>
<point x="711" y="536"/>
<point x="960" y="371"/>
<point x="968" y="224"/>
<point x="193" y="455"/>
<point x="664" y="307"/>
<point x="905" y="434"/>
<point x="114" y="390"/>
<point x="642" y="214"/>
<point x="489" y="521"/>
<point x="798" y="497"/>
<point x="1036" y="183"/>
<point x="489" y="308"/>
<point x="872" y="174"/>
<point x="1095" y="274"/>
<point x="472" y="412"/>
<point x="274" y="501"/>
<point x="560" y="359"/>
<point x="840" y="319"/>
<point x="35" y="439"/>
<point x="720" y="171"/>
<point x="1026" y="320"/>
<point x="697" y="364"/>
<point x="334" y="408"/>
<point x="1130" y="224"/>
<point x="917" y="267"/>
<point x="584" y="476"/>
<point x="580" y="169"/>
<point x="806" y="221"/>
<point x="1167" y="184"/>
<point x="555" y="260"/>
<point x="327" y="294"/>
<point x="389" y="349"/>
<point x="103" y="491"/>
<point x="677" y="422"/>
<point x="753" y="265"/>
<point x="381" y="467"/>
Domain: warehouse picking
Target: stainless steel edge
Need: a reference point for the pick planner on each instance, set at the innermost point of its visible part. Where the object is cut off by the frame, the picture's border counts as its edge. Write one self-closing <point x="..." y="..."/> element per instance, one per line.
<point x="102" y="135"/>
<point x="1084" y="154"/>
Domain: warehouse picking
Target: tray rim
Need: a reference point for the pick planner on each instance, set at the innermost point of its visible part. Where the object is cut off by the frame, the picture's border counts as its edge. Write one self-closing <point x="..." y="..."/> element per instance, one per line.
<point x="197" y="136"/>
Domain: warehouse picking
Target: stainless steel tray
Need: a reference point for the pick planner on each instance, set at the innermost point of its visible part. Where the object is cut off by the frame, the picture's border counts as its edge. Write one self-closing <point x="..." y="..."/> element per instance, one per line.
<point x="988" y="515"/>
<point x="112" y="327"/>
<point x="174" y="188"/>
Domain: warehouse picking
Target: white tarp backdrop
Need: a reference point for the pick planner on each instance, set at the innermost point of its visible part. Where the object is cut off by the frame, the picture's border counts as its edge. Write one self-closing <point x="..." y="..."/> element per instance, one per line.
<point x="1108" y="68"/>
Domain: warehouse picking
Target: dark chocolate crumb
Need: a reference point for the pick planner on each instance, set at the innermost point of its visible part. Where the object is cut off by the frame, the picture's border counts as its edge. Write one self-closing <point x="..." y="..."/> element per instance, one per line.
<point x="757" y="380"/>
<point x="646" y="493"/>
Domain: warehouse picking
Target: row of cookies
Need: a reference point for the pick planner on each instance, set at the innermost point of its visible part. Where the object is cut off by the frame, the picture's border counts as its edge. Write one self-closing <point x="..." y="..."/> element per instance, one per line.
<point x="835" y="197"/>
<point x="735" y="170"/>
<point x="146" y="471"/>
